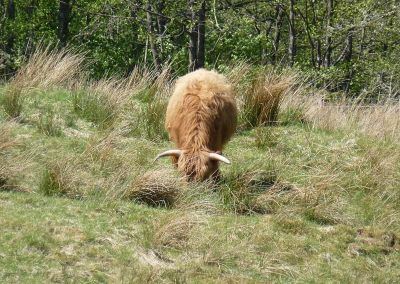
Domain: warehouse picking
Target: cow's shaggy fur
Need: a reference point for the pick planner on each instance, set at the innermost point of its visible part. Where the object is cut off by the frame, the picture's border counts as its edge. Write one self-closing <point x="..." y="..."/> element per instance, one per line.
<point x="201" y="117"/>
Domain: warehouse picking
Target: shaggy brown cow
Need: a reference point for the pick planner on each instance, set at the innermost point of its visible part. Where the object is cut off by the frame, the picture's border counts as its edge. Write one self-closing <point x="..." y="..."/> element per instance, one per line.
<point x="201" y="117"/>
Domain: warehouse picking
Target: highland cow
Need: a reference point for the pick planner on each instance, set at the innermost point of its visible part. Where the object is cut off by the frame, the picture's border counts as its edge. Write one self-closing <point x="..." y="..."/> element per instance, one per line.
<point x="201" y="118"/>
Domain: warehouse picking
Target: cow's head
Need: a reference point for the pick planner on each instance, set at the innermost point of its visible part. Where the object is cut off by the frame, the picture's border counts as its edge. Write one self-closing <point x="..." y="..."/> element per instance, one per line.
<point x="198" y="165"/>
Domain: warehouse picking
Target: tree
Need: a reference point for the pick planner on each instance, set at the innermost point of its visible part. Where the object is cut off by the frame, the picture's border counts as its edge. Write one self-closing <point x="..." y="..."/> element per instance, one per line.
<point x="292" y="33"/>
<point x="197" y="35"/>
<point x="64" y="18"/>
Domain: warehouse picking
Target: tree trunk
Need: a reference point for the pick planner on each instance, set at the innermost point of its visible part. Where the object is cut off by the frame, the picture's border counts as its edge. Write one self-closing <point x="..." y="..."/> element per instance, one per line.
<point x="328" y="54"/>
<point x="309" y="36"/>
<point x="10" y="15"/>
<point x="277" y="34"/>
<point x="347" y="58"/>
<point x="292" y="34"/>
<point x="319" y="54"/>
<point x="152" y="40"/>
<point x="201" y="35"/>
<point x="193" y="36"/>
<point x="136" y="50"/>
<point x="64" y="14"/>
<point x="161" y="22"/>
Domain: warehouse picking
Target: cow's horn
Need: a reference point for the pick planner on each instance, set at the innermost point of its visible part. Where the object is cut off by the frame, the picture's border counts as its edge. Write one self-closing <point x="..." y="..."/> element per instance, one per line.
<point x="176" y="153"/>
<point x="219" y="157"/>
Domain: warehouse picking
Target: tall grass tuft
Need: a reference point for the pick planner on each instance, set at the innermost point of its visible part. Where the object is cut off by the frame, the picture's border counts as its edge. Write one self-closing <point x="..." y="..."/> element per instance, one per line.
<point x="13" y="162"/>
<point x="45" y="68"/>
<point x="6" y="142"/>
<point x="380" y="119"/>
<point x="49" y="124"/>
<point x="261" y="101"/>
<point x="177" y="229"/>
<point x="65" y="178"/>
<point x="104" y="101"/>
<point x="152" y="107"/>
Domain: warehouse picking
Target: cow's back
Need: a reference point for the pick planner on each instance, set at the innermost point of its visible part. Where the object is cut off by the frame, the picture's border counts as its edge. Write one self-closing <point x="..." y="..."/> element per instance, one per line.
<point x="202" y="101"/>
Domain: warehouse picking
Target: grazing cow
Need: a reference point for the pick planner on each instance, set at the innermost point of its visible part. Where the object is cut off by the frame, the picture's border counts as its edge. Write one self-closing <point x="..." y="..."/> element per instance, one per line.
<point x="201" y="117"/>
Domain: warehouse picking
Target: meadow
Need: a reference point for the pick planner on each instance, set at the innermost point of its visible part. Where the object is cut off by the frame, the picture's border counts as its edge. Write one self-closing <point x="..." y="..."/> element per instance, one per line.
<point x="312" y="195"/>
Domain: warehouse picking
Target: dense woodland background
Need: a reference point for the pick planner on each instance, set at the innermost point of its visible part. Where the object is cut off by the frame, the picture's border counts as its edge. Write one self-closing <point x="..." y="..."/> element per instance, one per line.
<point x="341" y="45"/>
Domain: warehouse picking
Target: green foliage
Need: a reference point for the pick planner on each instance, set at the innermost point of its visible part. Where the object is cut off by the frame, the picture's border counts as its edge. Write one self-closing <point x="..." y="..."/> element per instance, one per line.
<point x="362" y="57"/>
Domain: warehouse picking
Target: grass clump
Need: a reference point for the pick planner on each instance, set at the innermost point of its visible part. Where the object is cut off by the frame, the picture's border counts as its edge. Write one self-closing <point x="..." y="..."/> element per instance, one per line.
<point x="265" y="137"/>
<point x="175" y="232"/>
<point x="49" y="124"/>
<point x="240" y="191"/>
<point x="6" y="142"/>
<point x="12" y="101"/>
<point x="44" y="69"/>
<point x="13" y="163"/>
<point x="156" y="188"/>
<point x="65" y="178"/>
<point x="262" y="100"/>
<point x="149" y="122"/>
<point x="94" y="107"/>
<point x="53" y="182"/>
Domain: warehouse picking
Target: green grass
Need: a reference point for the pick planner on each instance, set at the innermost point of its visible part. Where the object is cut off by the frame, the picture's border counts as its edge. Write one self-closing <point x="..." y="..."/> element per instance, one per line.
<point x="298" y="204"/>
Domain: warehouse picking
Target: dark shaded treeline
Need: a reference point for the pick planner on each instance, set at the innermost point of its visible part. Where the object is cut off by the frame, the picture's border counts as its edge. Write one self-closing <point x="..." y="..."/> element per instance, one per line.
<point x="343" y="45"/>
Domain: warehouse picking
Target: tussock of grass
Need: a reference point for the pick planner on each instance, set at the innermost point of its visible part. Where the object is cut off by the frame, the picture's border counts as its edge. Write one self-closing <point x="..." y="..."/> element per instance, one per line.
<point x="45" y="68"/>
<point x="12" y="163"/>
<point x="12" y="101"/>
<point x="261" y="102"/>
<point x="65" y="178"/>
<point x="49" y="124"/>
<point x="241" y="190"/>
<point x="6" y="142"/>
<point x="156" y="188"/>
<point x="149" y="122"/>
<point x="378" y="120"/>
<point x="265" y="137"/>
<point x="176" y="231"/>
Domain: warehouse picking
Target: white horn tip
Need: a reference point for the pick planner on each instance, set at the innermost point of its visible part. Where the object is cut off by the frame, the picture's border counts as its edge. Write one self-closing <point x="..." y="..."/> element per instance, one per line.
<point x="220" y="158"/>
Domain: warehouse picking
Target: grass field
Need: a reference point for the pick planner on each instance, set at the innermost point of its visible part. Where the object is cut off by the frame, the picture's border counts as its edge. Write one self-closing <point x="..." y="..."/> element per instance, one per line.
<point x="312" y="197"/>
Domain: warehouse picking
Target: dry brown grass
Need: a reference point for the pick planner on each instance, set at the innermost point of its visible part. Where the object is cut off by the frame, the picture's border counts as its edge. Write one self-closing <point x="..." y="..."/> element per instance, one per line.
<point x="177" y="229"/>
<point x="12" y="163"/>
<point x="262" y="99"/>
<point x="66" y="178"/>
<point x="379" y="120"/>
<point x="6" y="142"/>
<point x="156" y="188"/>
<point x="237" y="75"/>
<point x="45" y="68"/>
<point x="49" y="67"/>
